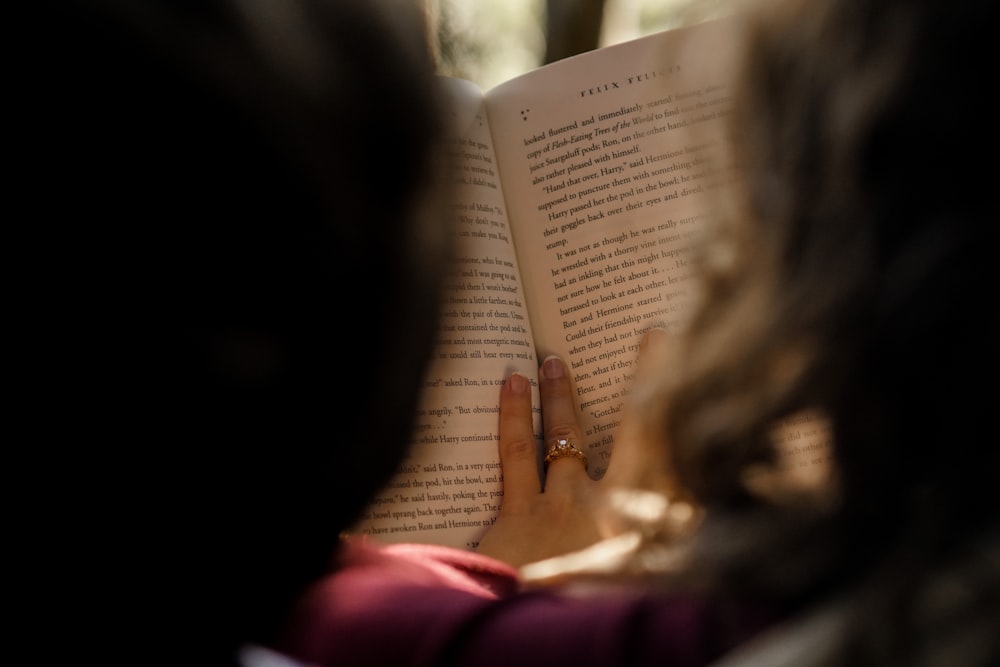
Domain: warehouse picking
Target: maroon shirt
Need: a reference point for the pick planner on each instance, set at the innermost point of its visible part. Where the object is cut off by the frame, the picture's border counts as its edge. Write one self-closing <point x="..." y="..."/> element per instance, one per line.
<point x="425" y="605"/>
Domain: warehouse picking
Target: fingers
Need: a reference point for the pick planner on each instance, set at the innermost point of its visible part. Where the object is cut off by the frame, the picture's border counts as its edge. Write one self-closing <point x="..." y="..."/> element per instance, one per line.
<point x="518" y="449"/>
<point x="559" y="419"/>
<point x="652" y="348"/>
<point x="533" y="525"/>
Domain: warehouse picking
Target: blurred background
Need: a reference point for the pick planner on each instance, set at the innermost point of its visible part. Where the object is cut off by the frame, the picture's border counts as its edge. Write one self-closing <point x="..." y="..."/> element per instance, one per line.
<point x="490" y="41"/>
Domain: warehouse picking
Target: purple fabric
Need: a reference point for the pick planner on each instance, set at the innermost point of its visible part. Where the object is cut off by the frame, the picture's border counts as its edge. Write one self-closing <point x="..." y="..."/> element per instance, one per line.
<point x="419" y="605"/>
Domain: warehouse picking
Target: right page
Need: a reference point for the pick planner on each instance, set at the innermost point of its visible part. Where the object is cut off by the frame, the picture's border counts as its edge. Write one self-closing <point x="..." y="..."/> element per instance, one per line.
<point x="605" y="159"/>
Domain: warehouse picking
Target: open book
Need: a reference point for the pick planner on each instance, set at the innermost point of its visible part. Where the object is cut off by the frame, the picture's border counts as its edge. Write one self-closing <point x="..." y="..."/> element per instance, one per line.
<point x="580" y="192"/>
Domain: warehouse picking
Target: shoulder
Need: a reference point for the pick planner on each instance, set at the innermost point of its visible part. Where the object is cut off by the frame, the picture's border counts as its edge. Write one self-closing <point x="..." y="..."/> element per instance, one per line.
<point x="382" y="602"/>
<point x="400" y="566"/>
<point x="414" y="604"/>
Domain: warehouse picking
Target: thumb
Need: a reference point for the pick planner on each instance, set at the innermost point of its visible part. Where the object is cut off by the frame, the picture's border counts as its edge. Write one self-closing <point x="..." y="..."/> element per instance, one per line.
<point x="636" y="453"/>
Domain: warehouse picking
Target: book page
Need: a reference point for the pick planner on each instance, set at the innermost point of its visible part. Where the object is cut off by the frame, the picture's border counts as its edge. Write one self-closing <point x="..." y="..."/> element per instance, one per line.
<point x="448" y="490"/>
<point x="605" y="159"/>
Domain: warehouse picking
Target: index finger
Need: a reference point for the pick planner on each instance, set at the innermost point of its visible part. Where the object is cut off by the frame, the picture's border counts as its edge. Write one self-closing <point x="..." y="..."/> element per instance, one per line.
<point x="518" y="447"/>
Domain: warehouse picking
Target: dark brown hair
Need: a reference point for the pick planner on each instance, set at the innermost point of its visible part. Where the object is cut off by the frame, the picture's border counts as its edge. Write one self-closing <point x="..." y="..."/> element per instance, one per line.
<point x="238" y="256"/>
<point x="850" y="274"/>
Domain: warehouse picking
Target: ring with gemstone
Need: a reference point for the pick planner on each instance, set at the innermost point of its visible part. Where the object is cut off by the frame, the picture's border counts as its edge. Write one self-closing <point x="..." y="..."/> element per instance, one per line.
<point x="562" y="447"/>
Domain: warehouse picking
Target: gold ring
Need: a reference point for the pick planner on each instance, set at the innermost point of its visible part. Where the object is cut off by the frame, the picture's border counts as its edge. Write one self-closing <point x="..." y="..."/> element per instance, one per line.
<point x="562" y="448"/>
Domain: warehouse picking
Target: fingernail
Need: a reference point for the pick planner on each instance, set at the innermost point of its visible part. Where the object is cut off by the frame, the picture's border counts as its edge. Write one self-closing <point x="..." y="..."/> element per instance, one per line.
<point x="552" y="368"/>
<point x="653" y="336"/>
<point x="518" y="384"/>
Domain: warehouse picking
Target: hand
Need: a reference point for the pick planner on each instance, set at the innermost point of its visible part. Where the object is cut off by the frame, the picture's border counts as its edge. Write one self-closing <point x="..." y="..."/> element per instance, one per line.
<point x="563" y="514"/>
<point x="536" y="522"/>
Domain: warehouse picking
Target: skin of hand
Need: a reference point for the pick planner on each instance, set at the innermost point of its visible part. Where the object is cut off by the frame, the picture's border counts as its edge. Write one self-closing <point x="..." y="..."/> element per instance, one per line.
<point x="537" y="519"/>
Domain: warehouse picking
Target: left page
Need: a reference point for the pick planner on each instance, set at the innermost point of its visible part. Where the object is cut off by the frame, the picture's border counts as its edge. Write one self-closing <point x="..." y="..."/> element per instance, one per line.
<point x="448" y="491"/>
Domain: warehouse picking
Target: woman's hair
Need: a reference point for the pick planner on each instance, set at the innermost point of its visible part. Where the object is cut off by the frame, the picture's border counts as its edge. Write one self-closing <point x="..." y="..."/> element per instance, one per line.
<point x="849" y="275"/>
<point x="236" y="210"/>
